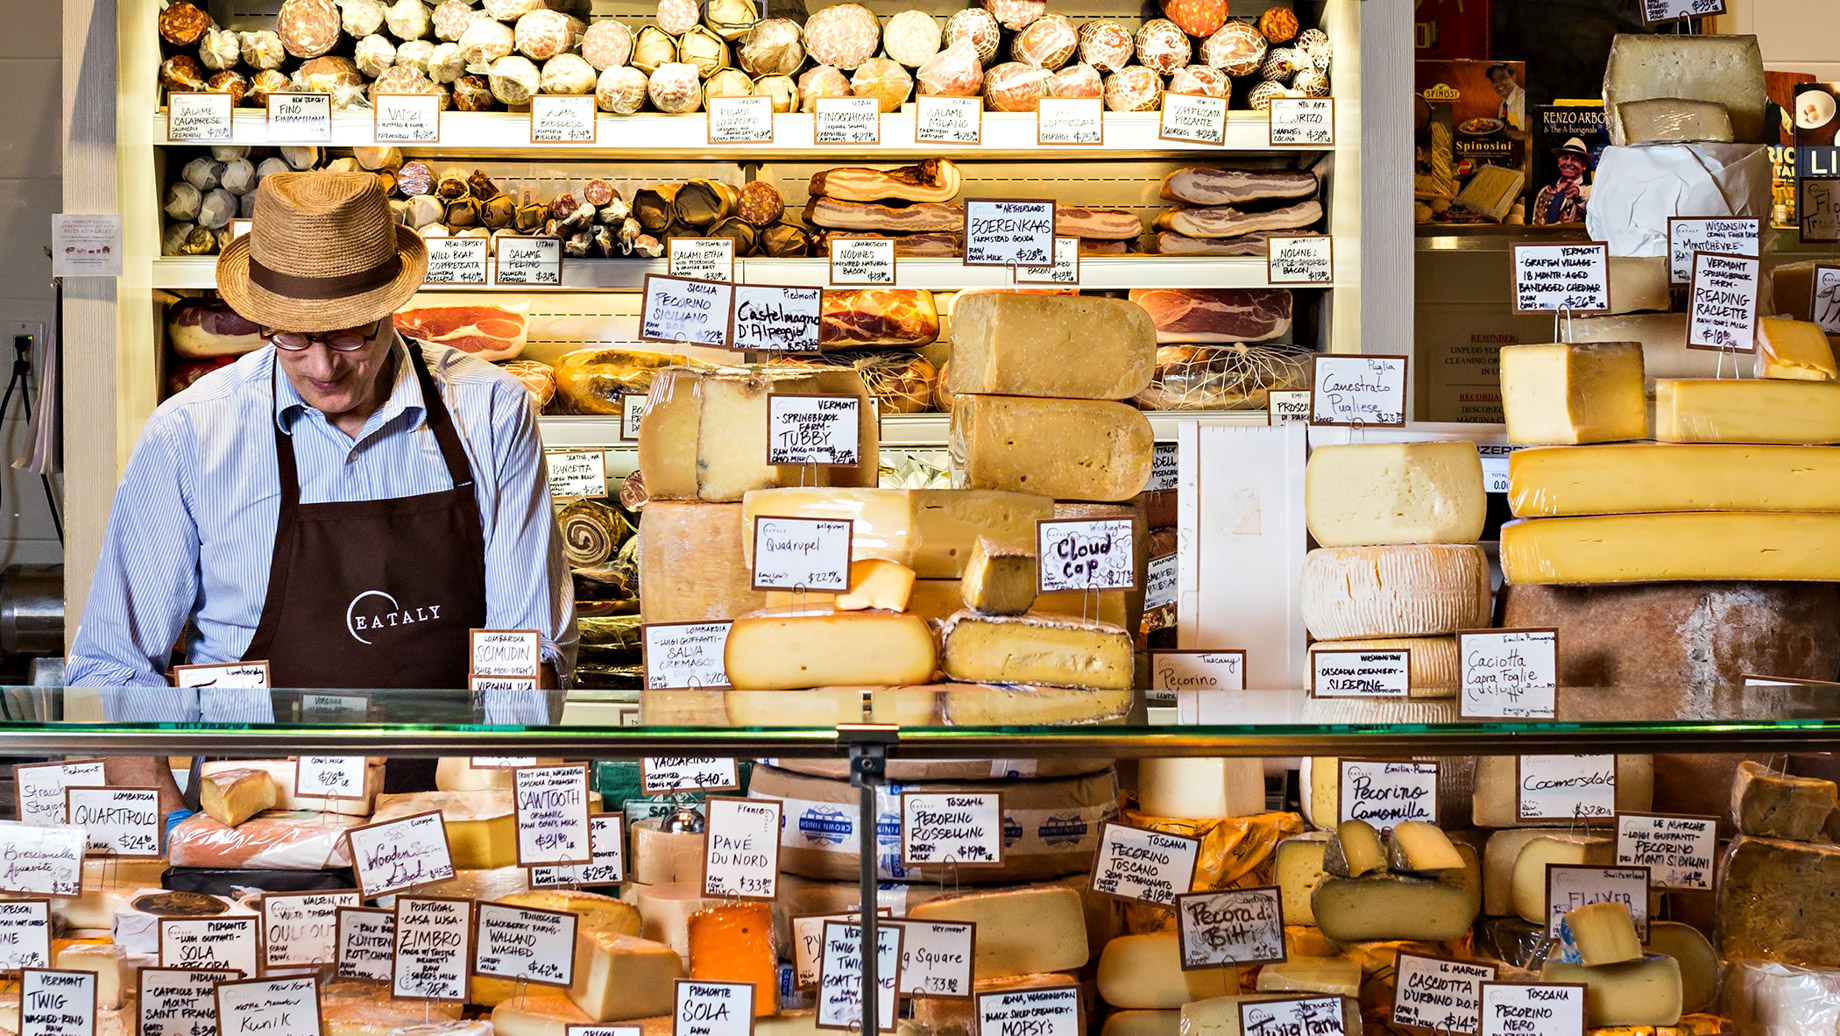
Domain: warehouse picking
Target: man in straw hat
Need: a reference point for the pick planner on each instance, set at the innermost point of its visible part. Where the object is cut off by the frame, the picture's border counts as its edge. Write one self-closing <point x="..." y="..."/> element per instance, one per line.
<point x="1564" y="200"/>
<point x="340" y="503"/>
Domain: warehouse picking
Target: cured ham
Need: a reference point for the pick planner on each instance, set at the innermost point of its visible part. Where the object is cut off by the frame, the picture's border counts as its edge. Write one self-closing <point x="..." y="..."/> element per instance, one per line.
<point x="1207" y="185"/>
<point x="927" y="217"/>
<point x="1216" y="314"/>
<point x="1226" y="221"/>
<point x="878" y="316"/>
<point x="934" y="180"/>
<point x="489" y="332"/>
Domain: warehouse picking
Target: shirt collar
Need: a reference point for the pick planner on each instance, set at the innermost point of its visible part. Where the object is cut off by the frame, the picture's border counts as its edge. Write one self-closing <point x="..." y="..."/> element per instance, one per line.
<point x="405" y="394"/>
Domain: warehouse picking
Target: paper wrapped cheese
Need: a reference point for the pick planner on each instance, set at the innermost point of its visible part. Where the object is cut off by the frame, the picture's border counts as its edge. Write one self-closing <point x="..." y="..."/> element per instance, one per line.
<point x="1638" y="188"/>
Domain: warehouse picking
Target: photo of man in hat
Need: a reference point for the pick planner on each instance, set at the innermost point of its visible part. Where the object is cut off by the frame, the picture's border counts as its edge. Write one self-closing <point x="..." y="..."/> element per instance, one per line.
<point x="1563" y="201"/>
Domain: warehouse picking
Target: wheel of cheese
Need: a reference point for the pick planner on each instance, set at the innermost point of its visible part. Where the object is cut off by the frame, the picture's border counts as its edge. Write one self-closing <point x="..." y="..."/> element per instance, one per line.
<point x="1406" y="590"/>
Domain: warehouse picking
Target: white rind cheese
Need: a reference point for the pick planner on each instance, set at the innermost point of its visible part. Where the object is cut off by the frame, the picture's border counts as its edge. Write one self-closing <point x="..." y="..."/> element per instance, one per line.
<point x="1405" y="590"/>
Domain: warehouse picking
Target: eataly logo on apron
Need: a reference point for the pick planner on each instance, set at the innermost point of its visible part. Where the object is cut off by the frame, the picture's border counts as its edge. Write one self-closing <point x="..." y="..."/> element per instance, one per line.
<point x="372" y="619"/>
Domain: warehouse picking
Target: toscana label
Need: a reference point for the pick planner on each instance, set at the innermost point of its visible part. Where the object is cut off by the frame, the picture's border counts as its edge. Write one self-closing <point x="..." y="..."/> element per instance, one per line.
<point x="1532" y="1009"/>
<point x="964" y="828"/>
<point x="1172" y="672"/>
<point x="1137" y="863"/>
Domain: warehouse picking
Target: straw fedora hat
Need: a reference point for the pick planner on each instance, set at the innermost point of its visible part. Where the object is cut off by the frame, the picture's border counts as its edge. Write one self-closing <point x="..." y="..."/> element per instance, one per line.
<point x="322" y="254"/>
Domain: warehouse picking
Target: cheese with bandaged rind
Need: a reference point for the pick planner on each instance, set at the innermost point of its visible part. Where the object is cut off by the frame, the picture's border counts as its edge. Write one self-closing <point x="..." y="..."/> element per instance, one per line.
<point x="821" y="647"/>
<point x="1068" y="346"/>
<point x="1069" y="449"/>
<point x="1725" y="70"/>
<point x="1036" y="649"/>
<point x="1389" y="493"/>
<point x="1650" y="548"/>
<point x="931" y="531"/>
<point x="1402" y="590"/>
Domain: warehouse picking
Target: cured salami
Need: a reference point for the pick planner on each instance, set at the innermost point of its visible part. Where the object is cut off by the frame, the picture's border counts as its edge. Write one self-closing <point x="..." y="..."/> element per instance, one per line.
<point x="1133" y="89"/>
<point x="444" y="61"/>
<point x="484" y="42"/>
<point x="488" y="332"/>
<point x="1201" y="80"/>
<point x="308" y="28"/>
<point x="1015" y="87"/>
<point x="953" y="72"/>
<point x="1015" y="15"/>
<point x="911" y="37"/>
<point x="266" y="82"/>
<point x="781" y="90"/>
<point x="621" y="90"/>
<point x="759" y="203"/>
<point x="1259" y="97"/>
<point x="676" y="16"/>
<point x="568" y="74"/>
<point x="842" y="35"/>
<point x="327" y="75"/>
<point x="511" y="10"/>
<point x="651" y="48"/>
<point x="977" y="28"/>
<point x="183" y="24"/>
<point x="473" y="94"/>
<point x="607" y="43"/>
<point x="417" y="53"/>
<point x="220" y="49"/>
<point x="773" y="48"/>
<point x="885" y="80"/>
<point x="1076" y="81"/>
<point x="1161" y="46"/>
<point x="1237" y="49"/>
<point x="452" y="18"/>
<point x="403" y="79"/>
<point x="361" y="18"/>
<point x="1048" y="42"/>
<point x="1106" y="45"/>
<point x="262" y="49"/>
<point x="675" y="88"/>
<point x="538" y="379"/>
<point x="408" y="19"/>
<point x="822" y="81"/>
<point x="1279" y="25"/>
<point x="373" y="54"/>
<point x="181" y="73"/>
<point x="514" y="79"/>
<point x="228" y="82"/>
<point x="541" y="35"/>
<point x="1196" y="17"/>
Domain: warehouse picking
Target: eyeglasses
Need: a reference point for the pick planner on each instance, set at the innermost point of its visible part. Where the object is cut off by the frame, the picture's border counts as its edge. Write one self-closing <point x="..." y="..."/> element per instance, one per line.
<point x="347" y="340"/>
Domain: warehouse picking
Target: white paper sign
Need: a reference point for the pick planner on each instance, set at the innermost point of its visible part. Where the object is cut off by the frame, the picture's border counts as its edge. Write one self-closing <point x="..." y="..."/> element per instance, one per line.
<point x="777" y="319"/>
<point x="1172" y="672"/>
<point x="607" y="837"/>
<point x="41" y="860"/>
<point x="178" y="1001"/>
<point x="1826" y="303"/>
<point x="85" y="245"/>
<point x="1085" y="554"/>
<point x="632" y="415"/>
<point x="1678" y="851"/>
<point x="1566" y="787"/>
<point x="299" y="118"/>
<point x="1302" y="122"/>
<point x="1569" y="887"/>
<point x="407" y="118"/>
<point x="57" y="1003"/>
<point x="1287" y="406"/>
<point x="861" y="261"/>
<point x="1049" y="1011"/>
<point x="667" y="775"/>
<point x="1192" y="117"/>
<point x="457" y="260"/>
<point x="25" y="934"/>
<point x="713" y="1009"/>
<point x="1385" y="792"/>
<point x="741" y="848"/>
<point x="685" y="654"/>
<point x="40" y="788"/>
<point x="840" y="975"/>
<point x="936" y="958"/>
<point x="1368" y="391"/>
<point x="1069" y="120"/>
<point x="562" y="119"/>
<point x="506" y="652"/>
<point x="1001" y="232"/>
<point x="966" y="828"/>
<point x="536" y="946"/>
<point x="1722" y="309"/>
<point x="801" y="554"/>
<point x="1162" y="577"/>
<point x="1162" y="468"/>
<point x="1509" y="674"/>
<point x="1438" y="994"/>
<point x="1300" y="259"/>
<point x="701" y="258"/>
<point x="1137" y="863"/>
<point x="1673" y="10"/>
<point x="199" y="118"/>
<point x="1316" y="1015"/>
<point x="1689" y="234"/>
<point x="270" y="1007"/>
<point x="1570" y="278"/>
<point x="576" y="474"/>
<point x="685" y="312"/>
<point x="847" y="120"/>
<point x="1360" y="674"/>
<point x="552" y="815"/>
<point x="819" y="430"/>
<point x="808" y="943"/>
<point x="434" y="942"/>
<point x="948" y="120"/>
<point x="529" y="260"/>
<point x="1065" y="270"/>
<point x="1231" y="926"/>
<point x="219" y="943"/>
<point x="740" y="120"/>
<point x="603" y="1030"/>
<point x="224" y="675"/>
<point x="302" y="928"/>
<point x="120" y="821"/>
<point x="400" y="854"/>
<point x="1532" y="1009"/>
<point x="366" y="943"/>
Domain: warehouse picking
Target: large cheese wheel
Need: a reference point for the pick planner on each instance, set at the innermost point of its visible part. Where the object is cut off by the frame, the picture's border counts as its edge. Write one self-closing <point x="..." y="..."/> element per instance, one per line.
<point x="690" y="563"/>
<point x="1407" y="590"/>
<point x="1320" y="793"/>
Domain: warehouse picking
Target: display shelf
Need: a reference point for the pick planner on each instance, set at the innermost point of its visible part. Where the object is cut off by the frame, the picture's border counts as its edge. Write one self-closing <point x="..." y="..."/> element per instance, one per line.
<point x="899" y="430"/>
<point x="652" y="135"/>
<point x="1097" y="272"/>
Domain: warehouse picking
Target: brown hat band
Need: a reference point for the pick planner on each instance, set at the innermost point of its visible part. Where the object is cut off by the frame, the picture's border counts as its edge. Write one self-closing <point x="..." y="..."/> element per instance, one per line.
<point x="325" y="288"/>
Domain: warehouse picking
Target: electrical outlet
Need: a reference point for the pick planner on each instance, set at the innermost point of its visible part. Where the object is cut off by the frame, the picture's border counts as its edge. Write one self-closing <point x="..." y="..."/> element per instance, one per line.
<point x="14" y="328"/>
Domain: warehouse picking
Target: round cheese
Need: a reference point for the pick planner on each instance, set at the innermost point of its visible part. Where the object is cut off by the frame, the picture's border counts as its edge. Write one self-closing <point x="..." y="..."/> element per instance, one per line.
<point x="1403" y="590"/>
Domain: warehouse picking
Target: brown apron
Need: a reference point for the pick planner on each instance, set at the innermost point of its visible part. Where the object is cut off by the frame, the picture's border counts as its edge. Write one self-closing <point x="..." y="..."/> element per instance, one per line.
<point x="375" y="593"/>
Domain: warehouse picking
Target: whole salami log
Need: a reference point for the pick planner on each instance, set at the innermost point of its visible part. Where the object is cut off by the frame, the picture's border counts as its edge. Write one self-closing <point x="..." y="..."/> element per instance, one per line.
<point x="878" y="316"/>
<point x="568" y="74"/>
<point x="675" y="88"/>
<point x="1161" y="46"/>
<point x="1208" y="185"/>
<point x="539" y="379"/>
<point x="1201" y="81"/>
<point x="884" y="79"/>
<point x="956" y="71"/>
<point x="784" y="240"/>
<point x="1227" y="221"/>
<point x="738" y="230"/>
<point x="621" y="90"/>
<point x="911" y="37"/>
<point x="1048" y="42"/>
<point x="704" y="203"/>
<point x="1080" y="80"/>
<point x="821" y="81"/>
<point x="541" y="35"/>
<point x="781" y="90"/>
<point x="773" y="47"/>
<point x="842" y="35"/>
<point x="1015" y="15"/>
<point x="933" y="180"/>
<point x="308" y="28"/>
<point x="1237" y="49"/>
<point x="181" y="73"/>
<point x="1106" y="224"/>
<point x="760" y="203"/>
<point x="1196" y="17"/>
<point x="1216" y="314"/>
<point x="183" y="24"/>
<point x="1106" y="45"/>
<point x="606" y="44"/>
<point x="977" y="28"/>
<point x="452" y="17"/>
<point x="1015" y="86"/>
<point x="1253" y="244"/>
<point x="1133" y="88"/>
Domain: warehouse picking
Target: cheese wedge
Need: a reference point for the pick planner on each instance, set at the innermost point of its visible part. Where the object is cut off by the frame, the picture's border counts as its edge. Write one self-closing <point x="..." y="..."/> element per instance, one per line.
<point x="1069" y="449"/>
<point x="1354" y="851"/>
<point x="1332" y="976"/>
<point x="1020" y="931"/>
<point x="665" y="912"/>
<point x="620" y="977"/>
<point x="1773" y="804"/>
<point x="1671" y="120"/>
<point x="1794" y="350"/>
<point x="1649" y="548"/>
<point x="108" y="961"/>
<point x="1297" y="868"/>
<point x="1569" y="394"/>
<point x="1202" y="787"/>
<point x="1145" y="972"/>
<point x="877" y="583"/>
<point x="1529" y="880"/>
<point x="1032" y="649"/>
<point x="1604" y="933"/>
<point x="1725" y="70"/>
<point x="1747" y="411"/>
<point x="931" y="531"/>
<point x="1392" y="493"/>
<point x="1417" y="847"/>
<point x="820" y="647"/>
<point x="1648" y="478"/>
<point x="999" y="579"/>
<point x="733" y="942"/>
<point x="236" y="795"/>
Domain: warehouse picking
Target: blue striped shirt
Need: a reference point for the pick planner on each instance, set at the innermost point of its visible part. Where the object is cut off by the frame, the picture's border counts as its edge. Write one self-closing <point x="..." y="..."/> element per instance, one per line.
<point x="192" y="533"/>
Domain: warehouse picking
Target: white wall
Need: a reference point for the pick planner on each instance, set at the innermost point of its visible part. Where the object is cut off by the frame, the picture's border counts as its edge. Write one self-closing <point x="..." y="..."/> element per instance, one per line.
<point x="30" y="191"/>
<point x="1796" y="35"/>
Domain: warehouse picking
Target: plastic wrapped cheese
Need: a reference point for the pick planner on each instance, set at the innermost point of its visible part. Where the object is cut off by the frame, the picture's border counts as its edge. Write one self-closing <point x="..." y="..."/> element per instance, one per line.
<point x="277" y="840"/>
<point x="953" y="72"/>
<point x="1637" y="189"/>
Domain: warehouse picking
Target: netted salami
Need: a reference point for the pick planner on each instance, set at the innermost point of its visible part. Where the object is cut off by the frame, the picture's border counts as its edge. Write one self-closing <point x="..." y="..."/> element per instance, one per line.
<point x="452" y="17"/>
<point x="781" y="90"/>
<point x="484" y="42"/>
<point x="1106" y="45"/>
<point x="1048" y="42"/>
<point x="730" y="19"/>
<point x="1015" y="15"/>
<point x="408" y="19"/>
<point x="403" y="79"/>
<point x="1161" y="46"/>
<point x="183" y="24"/>
<point x="953" y="72"/>
<point x="1202" y="80"/>
<point x="361" y="18"/>
<point x="911" y="37"/>
<point x="473" y="94"/>
<point x="1196" y="17"/>
<point x="511" y="10"/>
<point x="1284" y="62"/>
<point x="308" y="28"/>
<point x="327" y="75"/>
<point x="444" y="62"/>
<point x="1133" y="89"/>
<point x="1311" y="82"/>
<point x="515" y="79"/>
<point x="1259" y="97"/>
<point x="676" y="16"/>
<point x="607" y="43"/>
<point x="884" y="79"/>
<point x="1237" y="49"/>
<point x="220" y="49"/>
<point x="842" y="35"/>
<point x="1278" y="25"/>
<point x="621" y="90"/>
<point x="822" y="81"/>
<point x="977" y="28"/>
<point x="373" y="54"/>
<point x="1015" y="86"/>
<point x="675" y="88"/>
<point x="759" y="203"/>
<point x="773" y="47"/>
<point x="541" y="35"/>
<point x="569" y="74"/>
<point x="1081" y="80"/>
